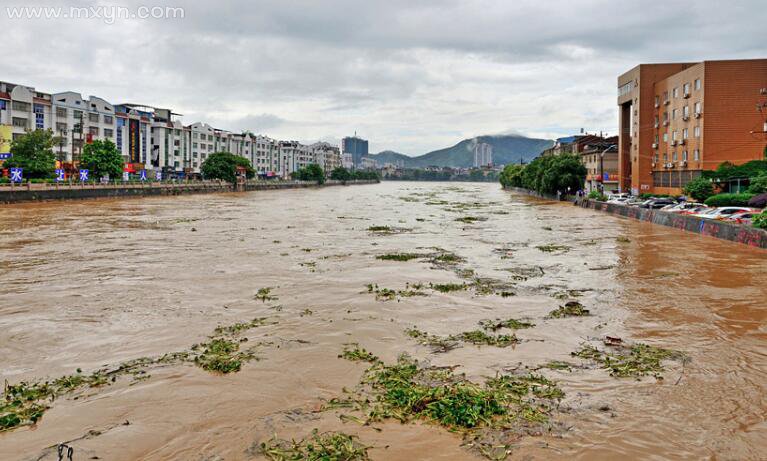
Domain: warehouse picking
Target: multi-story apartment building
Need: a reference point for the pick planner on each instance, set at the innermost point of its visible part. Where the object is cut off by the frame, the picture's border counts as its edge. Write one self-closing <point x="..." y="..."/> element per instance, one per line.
<point x="679" y="119"/>
<point x="483" y="155"/>
<point x="353" y="149"/>
<point x="601" y="161"/>
<point x="23" y="108"/>
<point x="266" y="158"/>
<point x="328" y="157"/>
<point x="133" y="135"/>
<point x="203" y="138"/>
<point x="171" y="143"/>
<point x="78" y="121"/>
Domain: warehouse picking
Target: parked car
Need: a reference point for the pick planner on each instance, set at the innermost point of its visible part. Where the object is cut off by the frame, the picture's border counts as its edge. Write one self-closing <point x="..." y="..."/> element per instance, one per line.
<point x="742" y="217"/>
<point x="657" y="203"/>
<point x="621" y="200"/>
<point x="622" y="195"/>
<point x="722" y="212"/>
<point x="684" y="206"/>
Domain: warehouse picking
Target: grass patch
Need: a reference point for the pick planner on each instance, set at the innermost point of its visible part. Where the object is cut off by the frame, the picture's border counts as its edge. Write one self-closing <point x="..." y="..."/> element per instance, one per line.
<point x="570" y="309"/>
<point x="497" y="324"/>
<point x="387" y="230"/>
<point x="558" y="365"/>
<point x="480" y="338"/>
<point x="470" y="219"/>
<point x="237" y="328"/>
<point x="630" y="361"/>
<point x="387" y="294"/>
<point x="623" y="239"/>
<point x="437" y="343"/>
<point x="328" y="446"/>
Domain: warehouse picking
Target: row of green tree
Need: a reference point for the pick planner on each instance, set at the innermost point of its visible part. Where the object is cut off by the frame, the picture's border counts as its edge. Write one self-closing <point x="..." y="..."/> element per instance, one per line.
<point x="546" y="175"/>
<point x="712" y="186"/>
<point x="33" y="152"/>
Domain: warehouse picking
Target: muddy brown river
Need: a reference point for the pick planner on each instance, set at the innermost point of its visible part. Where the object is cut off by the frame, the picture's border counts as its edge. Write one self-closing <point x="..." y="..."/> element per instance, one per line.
<point x="92" y="284"/>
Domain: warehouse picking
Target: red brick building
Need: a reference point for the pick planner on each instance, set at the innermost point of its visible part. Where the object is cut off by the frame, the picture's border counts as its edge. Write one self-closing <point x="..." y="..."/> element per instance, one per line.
<point x="677" y="120"/>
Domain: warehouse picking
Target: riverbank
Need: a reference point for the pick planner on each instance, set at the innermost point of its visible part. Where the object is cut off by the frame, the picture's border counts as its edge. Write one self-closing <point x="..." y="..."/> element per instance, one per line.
<point x="711" y="228"/>
<point x="34" y="192"/>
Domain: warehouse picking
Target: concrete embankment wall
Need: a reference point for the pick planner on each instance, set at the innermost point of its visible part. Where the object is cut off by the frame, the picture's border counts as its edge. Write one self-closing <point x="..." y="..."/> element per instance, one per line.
<point x="42" y="192"/>
<point x="712" y="228"/>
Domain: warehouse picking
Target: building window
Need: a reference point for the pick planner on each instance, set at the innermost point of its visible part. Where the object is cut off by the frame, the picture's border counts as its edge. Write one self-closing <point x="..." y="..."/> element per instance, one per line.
<point x="61" y="112"/>
<point x="78" y="114"/>
<point x="93" y="130"/>
<point x="684" y="133"/>
<point x="108" y="133"/>
<point x="673" y="156"/>
<point x="697" y="83"/>
<point x="675" y="92"/>
<point x="93" y="118"/>
<point x="21" y="106"/>
<point x="19" y="122"/>
<point x="39" y="117"/>
<point x="684" y="155"/>
<point x="665" y="157"/>
<point x="696" y="131"/>
<point x="697" y="107"/>
<point x="686" y="111"/>
<point x="665" y="137"/>
<point x="696" y="155"/>
<point x="655" y="158"/>
<point x="673" y="114"/>
<point x="673" y="135"/>
<point x="194" y="135"/>
<point x="686" y="88"/>
<point x="3" y="105"/>
<point x="61" y="127"/>
<point x="108" y="119"/>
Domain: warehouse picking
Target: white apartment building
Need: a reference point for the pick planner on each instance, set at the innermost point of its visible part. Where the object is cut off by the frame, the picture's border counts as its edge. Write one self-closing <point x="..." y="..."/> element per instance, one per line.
<point x="203" y="143"/>
<point x="171" y="143"/>
<point x="266" y="155"/>
<point x="23" y="109"/>
<point x="133" y="135"/>
<point x="483" y="155"/>
<point x="78" y="121"/>
<point x="327" y="156"/>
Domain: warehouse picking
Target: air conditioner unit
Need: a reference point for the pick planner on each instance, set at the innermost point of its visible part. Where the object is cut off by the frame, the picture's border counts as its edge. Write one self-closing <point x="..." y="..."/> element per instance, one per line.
<point x="697" y="115"/>
<point x="671" y="165"/>
<point x="656" y="125"/>
<point x="655" y="145"/>
<point x="653" y="164"/>
<point x="673" y="143"/>
<point x="683" y="164"/>
<point x="667" y="102"/>
<point x="665" y="123"/>
<point x="685" y="118"/>
<point x="657" y="105"/>
<point x="686" y="95"/>
<point x="681" y="142"/>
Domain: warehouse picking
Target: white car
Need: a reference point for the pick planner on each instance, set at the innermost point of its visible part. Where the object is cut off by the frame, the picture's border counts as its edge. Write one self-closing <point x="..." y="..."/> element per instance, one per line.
<point x="622" y="200"/>
<point x="721" y="212"/>
<point x="684" y="206"/>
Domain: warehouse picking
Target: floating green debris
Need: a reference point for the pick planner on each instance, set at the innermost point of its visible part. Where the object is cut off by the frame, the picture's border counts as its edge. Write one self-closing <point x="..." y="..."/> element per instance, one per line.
<point x="264" y="294"/>
<point x="489" y="286"/>
<point x="399" y="256"/>
<point x="448" y="287"/>
<point x="490" y="416"/>
<point x="306" y="312"/>
<point x="479" y="337"/>
<point x="497" y="324"/>
<point x="558" y="365"/>
<point x="387" y="230"/>
<point x="470" y="219"/>
<point x="570" y="309"/>
<point x="446" y="259"/>
<point x="437" y="343"/>
<point x="355" y="353"/>
<point x="387" y="294"/>
<point x="221" y="355"/>
<point x="328" y="446"/>
<point x="630" y="361"/>
<point x="623" y="239"/>
<point x="550" y="248"/>
<point x="548" y="228"/>
<point x="237" y="328"/>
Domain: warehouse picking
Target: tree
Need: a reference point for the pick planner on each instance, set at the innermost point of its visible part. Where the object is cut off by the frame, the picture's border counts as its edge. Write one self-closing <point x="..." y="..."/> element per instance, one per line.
<point x="758" y="184"/>
<point x="511" y="176"/>
<point x="223" y="165"/>
<point x="564" y="173"/>
<point x="33" y="152"/>
<point x="102" y="159"/>
<point x="700" y="189"/>
<point x="312" y="172"/>
<point x="340" y="174"/>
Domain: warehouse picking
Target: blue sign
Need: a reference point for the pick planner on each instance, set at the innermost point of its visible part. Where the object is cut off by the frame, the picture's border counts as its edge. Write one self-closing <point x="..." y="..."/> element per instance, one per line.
<point x="142" y="175"/>
<point x="158" y="175"/>
<point x="83" y="175"/>
<point x="606" y="176"/>
<point x="59" y="174"/>
<point x="5" y="156"/>
<point x="16" y="174"/>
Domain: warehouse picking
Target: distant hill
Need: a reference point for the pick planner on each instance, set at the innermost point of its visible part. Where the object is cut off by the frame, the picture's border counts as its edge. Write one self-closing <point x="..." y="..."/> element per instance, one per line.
<point x="506" y="149"/>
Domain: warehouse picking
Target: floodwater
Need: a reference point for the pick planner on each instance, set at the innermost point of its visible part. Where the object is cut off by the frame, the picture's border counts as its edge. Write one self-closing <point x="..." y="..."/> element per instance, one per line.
<point x="95" y="283"/>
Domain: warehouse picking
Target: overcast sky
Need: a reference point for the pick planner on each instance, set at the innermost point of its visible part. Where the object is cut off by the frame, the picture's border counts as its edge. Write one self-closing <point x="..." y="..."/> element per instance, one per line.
<point x="408" y="75"/>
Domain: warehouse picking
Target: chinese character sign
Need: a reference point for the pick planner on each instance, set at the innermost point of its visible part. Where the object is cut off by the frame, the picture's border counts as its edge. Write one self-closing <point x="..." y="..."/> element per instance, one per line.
<point x="158" y="175"/>
<point x="142" y="175"/>
<point x="59" y="174"/>
<point x="16" y="174"/>
<point x="83" y="175"/>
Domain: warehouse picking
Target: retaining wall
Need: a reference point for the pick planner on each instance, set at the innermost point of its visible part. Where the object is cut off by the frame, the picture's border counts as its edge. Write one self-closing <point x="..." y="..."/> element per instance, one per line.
<point x="31" y="192"/>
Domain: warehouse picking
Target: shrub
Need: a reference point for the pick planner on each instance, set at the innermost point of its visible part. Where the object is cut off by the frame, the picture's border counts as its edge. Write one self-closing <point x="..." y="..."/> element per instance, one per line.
<point x="511" y="176"/>
<point x="596" y="195"/>
<point x="223" y="165"/>
<point x="760" y="221"/>
<point x="102" y="159"/>
<point x="311" y="172"/>
<point x="33" y="152"/>
<point x="758" y="184"/>
<point x="758" y="201"/>
<point x="729" y="200"/>
<point x="700" y="189"/>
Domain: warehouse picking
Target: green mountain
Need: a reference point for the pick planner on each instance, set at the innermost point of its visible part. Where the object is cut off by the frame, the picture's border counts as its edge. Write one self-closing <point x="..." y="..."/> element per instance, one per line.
<point x="506" y="149"/>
